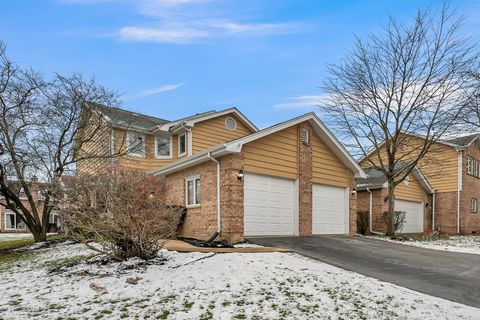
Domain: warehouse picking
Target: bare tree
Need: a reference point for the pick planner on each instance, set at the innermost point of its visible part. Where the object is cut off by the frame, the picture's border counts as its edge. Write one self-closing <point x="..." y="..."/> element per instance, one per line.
<point x="42" y="126"/>
<point x="471" y="114"/>
<point x="410" y="80"/>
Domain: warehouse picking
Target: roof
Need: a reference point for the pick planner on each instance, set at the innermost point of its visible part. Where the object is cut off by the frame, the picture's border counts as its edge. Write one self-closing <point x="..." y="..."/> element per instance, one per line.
<point x="464" y="141"/>
<point x="235" y="146"/>
<point x="124" y="118"/>
<point x="376" y="178"/>
<point x="136" y="121"/>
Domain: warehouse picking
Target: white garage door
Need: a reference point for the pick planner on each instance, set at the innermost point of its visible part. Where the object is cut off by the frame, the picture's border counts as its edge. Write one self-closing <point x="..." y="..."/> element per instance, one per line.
<point x="330" y="210"/>
<point x="413" y="217"/>
<point x="269" y="206"/>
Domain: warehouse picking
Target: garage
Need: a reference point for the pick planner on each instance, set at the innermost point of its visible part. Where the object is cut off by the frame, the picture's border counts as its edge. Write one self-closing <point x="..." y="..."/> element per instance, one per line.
<point x="329" y="210"/>
<point x="270" y="206"/>
<point x="413" y="216"/>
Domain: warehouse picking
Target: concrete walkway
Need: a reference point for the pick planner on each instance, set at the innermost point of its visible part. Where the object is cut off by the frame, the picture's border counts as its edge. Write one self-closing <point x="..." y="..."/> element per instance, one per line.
<point x="448" y="275"/>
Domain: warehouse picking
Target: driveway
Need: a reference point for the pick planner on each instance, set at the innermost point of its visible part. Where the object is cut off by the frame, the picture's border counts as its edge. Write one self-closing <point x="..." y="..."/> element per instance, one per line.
<point x="448" y="275"/>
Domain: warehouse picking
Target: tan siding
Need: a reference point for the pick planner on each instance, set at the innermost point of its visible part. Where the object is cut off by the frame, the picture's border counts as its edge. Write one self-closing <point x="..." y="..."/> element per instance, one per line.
<point x="275" y="154"/>
<point x="413" y="191"/>
<point x="211" y="132"/>
<point x="326" y="167"/>
<point x="439" y="165"/>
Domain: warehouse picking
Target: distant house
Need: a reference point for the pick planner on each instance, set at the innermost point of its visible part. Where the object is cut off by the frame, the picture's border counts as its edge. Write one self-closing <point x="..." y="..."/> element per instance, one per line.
<point x="293" y="178"/>
<point x="452" y="169"/>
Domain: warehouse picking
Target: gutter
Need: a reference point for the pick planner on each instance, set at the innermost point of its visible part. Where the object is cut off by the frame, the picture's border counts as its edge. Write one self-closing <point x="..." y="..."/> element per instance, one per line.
<point x="433" y="211"/>
<point x="459" y="187"/>
<point x="219" y="208"/>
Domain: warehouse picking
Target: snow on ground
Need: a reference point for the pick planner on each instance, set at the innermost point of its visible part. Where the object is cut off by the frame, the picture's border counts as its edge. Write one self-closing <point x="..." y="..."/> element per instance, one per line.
<point x="463" y="244"/>
<point x="205" y="286"/>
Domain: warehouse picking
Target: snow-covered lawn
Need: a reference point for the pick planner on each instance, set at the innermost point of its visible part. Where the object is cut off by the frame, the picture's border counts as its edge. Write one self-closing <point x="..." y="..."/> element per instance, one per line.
<point x="18" y="236"/>
<point x="464" y="244"/>
<point x="203" y="286"/>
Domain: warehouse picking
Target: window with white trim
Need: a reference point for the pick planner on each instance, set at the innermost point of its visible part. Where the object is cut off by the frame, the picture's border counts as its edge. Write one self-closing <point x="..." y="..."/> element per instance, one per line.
<point x="182" y="144"/>
<point x="473" y="205"/>
<point x="469" y="166"/>
<point x="163" y="147"/>
<point x="477" y="169"/>
<point x="193" y="191"/>
<point x="10" y="219"/>
<point x="135" y="144"/>
<point x="53" y="218"/>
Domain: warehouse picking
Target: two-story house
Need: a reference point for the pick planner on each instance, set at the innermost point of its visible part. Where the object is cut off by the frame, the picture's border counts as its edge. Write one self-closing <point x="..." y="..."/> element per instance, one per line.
<point x="293" y="178"/>
<point x="449" y="173"/>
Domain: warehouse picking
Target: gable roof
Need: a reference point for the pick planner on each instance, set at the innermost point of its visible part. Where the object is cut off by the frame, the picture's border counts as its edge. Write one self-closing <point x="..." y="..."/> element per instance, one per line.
<point x="376" y="179"/>
<point x="235" y="146"/>
<point x="464" y="141"/>
<point x="121" y="118"/>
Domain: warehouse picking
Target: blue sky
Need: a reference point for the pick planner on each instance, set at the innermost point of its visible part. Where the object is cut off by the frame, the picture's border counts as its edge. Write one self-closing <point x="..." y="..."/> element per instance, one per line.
<point x="172" y="58"/>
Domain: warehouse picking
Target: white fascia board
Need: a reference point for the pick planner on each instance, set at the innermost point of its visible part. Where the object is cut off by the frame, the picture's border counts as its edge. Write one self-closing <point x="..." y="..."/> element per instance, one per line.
<point x="422" y="180"/>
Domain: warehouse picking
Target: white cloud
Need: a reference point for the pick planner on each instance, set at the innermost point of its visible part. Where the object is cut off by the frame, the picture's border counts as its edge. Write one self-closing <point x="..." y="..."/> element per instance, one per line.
<point x="301" y="102"/>
<point x="166" y="34"/>
<point x="160" y="89"/>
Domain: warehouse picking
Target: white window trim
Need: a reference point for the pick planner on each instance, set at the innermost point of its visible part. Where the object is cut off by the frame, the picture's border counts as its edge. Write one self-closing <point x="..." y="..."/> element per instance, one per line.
<point x="186" y="147"/>
<point x="477" y="169"/>
<point x="9" y="212"/>
<point x="473" y="205"/>
<point x="171" y="148"/>
<point x="134" y="154"/>
<point x="192" y="178"/>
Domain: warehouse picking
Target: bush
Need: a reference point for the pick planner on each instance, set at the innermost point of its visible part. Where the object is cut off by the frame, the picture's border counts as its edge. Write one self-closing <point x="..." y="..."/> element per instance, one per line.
<point x="399" y="219"/>
<point x="124" y="212"/>
<point x="363" y="218"/>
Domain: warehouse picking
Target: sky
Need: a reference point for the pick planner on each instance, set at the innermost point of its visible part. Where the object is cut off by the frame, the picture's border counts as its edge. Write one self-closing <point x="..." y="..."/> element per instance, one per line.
<point x="174" y="58"/>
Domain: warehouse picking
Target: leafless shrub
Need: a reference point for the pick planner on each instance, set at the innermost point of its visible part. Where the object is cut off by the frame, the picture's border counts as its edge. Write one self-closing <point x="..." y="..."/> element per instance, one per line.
<point x="399" y="219"/>
<point x="363" y="222"/>
<point x="123" y="211"/>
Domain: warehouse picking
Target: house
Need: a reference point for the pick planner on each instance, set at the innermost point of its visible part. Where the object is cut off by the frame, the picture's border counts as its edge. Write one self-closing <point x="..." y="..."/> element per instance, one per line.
<point x="452" y="168"/>
<point x="293" y="178"/>
<point x="11" y="222"/>
<point x="414" y="196"/>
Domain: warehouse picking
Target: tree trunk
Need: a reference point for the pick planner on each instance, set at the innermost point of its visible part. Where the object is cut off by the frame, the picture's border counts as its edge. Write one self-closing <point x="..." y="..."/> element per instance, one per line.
<point x="391" y="209"/>
<point x="39" y="235"/>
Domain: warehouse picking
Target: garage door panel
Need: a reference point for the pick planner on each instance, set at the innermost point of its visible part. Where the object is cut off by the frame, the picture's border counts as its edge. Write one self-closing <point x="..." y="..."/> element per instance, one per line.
<point x="329" y="210"/>
<point x="269" y="205"/>
<point x="413" y="215"/>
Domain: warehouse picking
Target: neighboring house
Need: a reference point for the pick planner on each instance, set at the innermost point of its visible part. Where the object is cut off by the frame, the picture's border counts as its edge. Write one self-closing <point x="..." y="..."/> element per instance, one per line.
<point x="11" y="222"/>
<point x="291" y="179"/>
<point x="413" y="196"/>
<point x="294" y="178"/>
<point x="452" y="168"/>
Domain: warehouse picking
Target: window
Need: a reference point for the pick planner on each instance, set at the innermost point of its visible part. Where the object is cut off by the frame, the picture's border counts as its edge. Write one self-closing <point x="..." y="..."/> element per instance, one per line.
<point x="163" y="147"/>
<point x="230" y="124"/>
<point x="474" y="205"/>
<point x="10" y="220"/>
<point x="193" y="191"/>
<point x="469" y="166"/>
<point x="477" y="169"/>
<point x="53" y="218"/>
<point x="182" y="145"/>
<point x="136" y="144"/>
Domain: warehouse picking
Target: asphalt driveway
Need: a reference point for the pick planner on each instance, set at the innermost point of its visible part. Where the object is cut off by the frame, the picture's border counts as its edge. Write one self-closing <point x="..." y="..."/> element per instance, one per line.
<point x="448" y="275"/>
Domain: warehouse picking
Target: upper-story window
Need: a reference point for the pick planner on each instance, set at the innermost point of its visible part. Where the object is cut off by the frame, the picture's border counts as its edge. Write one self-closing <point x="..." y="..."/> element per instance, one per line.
<point x="182" y="144"/>
<point x="469" y="166"/>
<point x="163" y="147"/>
<point x="135" y="144"/>
<point x="477" y="169"/>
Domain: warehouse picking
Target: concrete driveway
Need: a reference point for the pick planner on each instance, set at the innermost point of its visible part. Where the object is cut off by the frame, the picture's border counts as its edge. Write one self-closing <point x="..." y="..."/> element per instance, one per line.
<point x="448" y="275"/>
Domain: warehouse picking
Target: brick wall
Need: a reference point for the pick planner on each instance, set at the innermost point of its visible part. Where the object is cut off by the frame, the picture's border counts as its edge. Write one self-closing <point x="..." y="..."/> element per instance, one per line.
<point x="305" y="184"/>
<point x="470" y="222"/>
<point x="353" y="205"/>
<point x="201" y="222"/>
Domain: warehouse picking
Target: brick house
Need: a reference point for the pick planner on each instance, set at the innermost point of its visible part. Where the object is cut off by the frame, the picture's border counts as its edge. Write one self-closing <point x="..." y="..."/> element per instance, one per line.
<point x="11" y="222"/>
<point x="452" y="168"/>
<point x="293" y="178"/>
<point x="413" y="196"/>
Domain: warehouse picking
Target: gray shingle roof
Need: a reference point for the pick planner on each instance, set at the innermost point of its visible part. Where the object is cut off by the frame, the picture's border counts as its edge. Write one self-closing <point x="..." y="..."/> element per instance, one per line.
<point x="463" y="141"/>
<point x="122" y="117"/>
<point x="376" y="178"/>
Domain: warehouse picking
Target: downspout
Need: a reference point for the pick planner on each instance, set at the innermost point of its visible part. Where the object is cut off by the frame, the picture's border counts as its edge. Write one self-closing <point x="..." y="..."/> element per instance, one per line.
<point x="433" y="210"/>
<point x="219" y="208"/>
<point x="459" y="187"/>
<point x="370" y="212"/>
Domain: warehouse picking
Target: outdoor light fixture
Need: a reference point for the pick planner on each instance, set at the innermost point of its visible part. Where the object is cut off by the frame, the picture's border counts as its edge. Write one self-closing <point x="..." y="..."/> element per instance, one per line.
<point x="150" y="196"/>
<point x="240" y="175"/>
<point x="354" y="191"/>
<point x="427" y="205"/>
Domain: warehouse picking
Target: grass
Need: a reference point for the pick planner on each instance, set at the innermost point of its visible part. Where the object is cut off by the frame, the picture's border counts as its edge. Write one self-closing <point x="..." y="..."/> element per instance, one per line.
<point x="6" y="261"/>
<point x="18" y="243"/>
<point x="67" y="262"/>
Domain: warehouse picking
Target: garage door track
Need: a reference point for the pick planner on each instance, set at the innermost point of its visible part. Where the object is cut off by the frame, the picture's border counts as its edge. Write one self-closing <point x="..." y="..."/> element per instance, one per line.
<point x="448" y="275"/>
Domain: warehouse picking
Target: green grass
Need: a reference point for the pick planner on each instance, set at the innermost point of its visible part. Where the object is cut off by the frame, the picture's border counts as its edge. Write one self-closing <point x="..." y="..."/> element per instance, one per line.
<point x="18" y="243"/>
<point x="8" y="260"/>
<point x="67" y="262"/>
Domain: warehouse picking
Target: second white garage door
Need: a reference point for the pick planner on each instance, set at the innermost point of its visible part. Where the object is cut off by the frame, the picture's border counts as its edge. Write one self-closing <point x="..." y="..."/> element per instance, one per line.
<point x="269" y="206"/>
<point x="330" y="210"/>
<point x="413" y="216"/>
